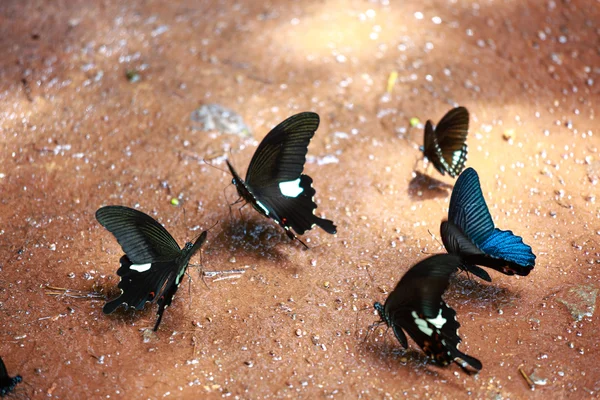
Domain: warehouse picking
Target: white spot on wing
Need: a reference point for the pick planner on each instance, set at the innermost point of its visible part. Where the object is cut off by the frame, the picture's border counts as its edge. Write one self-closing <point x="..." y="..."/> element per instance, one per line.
<point x="457" y="156"/>
<point x="438" y="321"/>
<point x="141" y="267"/>
<point x="178" y="279"/>
<point x="422" y="324"/>
<point x="291" y="188"/>
<point x="258" y="203"/>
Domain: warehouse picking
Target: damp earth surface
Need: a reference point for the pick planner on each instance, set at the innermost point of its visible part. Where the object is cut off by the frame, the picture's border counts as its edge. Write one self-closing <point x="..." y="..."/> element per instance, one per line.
<point x="101" y="102"/>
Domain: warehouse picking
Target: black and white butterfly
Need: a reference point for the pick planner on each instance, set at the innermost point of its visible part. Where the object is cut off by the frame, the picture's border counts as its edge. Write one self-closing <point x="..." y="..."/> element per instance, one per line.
<point x="470" y="233"/>
<point x="153" y="264"/>
<point x="416" y="307"/>
<point x="275" y="185"/>
<point x="445" y="145"/>
<point x="7" y="382"/>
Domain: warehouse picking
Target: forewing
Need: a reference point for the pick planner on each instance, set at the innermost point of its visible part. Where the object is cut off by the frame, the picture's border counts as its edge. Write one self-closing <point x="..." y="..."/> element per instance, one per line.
<point x="7" y="383"/>
<point x="451" y="133"/>
<point x="142" y="238"/>
<point x="431" y="149"/>
<point x="281" y="155"/>
<point x="421" y="288"/>
<point x="4" y="378"/>
<point x="468" y="209"/>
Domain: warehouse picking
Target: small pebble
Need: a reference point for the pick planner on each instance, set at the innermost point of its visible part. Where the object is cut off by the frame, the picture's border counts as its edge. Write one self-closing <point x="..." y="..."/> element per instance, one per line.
<point x="509" y="134"/>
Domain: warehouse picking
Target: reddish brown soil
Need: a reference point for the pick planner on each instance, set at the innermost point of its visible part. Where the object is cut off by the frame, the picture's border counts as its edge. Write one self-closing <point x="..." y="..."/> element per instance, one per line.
<point x="76" y="134"/>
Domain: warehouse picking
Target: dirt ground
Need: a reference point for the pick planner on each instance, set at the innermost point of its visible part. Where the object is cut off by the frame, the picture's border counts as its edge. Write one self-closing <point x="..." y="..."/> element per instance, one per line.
<point x="77" y="134"/>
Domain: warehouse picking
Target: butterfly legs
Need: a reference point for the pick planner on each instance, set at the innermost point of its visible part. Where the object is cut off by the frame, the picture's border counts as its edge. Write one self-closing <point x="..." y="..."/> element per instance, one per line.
<point x="291" y="235"/>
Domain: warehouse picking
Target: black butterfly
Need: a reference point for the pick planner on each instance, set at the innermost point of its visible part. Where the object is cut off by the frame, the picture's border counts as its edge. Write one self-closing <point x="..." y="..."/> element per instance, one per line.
<point x="470" y="233"/>
<point x="153" y="264"/>
<point x="275" y="185"/>
<point x="416" y="306"/>
<point x="445" y="145"/>
<point x="7" y="383"/>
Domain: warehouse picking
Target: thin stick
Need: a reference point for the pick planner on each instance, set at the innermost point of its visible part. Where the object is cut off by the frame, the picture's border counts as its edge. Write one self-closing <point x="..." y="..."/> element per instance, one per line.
<point x="73" y="293"/>
<point x="527" y="378"/>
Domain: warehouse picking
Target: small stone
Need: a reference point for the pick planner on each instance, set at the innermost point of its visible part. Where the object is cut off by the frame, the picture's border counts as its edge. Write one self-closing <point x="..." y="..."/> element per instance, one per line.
<point x="214" y="117"/>
<point x="299" y="332"/>
<point x="174" y="201"/>
<point x="133" y="76"/>
<point x="509" y="134"/>
<point x="414" y="121"/>
<point x="580" y="301"/>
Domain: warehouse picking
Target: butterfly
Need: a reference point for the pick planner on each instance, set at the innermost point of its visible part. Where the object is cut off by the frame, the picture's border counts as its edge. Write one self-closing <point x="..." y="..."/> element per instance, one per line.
<point x="153" y="264"/>
<point x="7" y="383"/>
<point x="470" y="233"/>
<point x="275" y="185"/>
<point x="445" y="145"/>
<point x="416" y="307"/>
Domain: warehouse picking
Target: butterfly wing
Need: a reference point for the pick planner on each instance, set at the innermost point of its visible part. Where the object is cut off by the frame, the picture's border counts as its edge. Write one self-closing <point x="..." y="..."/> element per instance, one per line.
<point x="422" y="286"/>
<point x="509" y="247"/>
<point x="445" y="146"/>
<point x="470" y="232"/>
<point x="468" y="209"/>
<point x="416" y="306"/>
<point x="4" y="378"/>
<point x="7" y="383"/>
<point x="431" y="148"/>
<point x="166" y="297"/>
<point x="456" y="242"/>
<point x="141" y="283"/>
<point x="451" y="133"/>
<point x="296" y="212"/>
<point x="438" y="337"/>
<point x="281" y="155"/>
<point x="275" y="182"/>
<point x="153" y="264"/>
<point x="142" y="238"/>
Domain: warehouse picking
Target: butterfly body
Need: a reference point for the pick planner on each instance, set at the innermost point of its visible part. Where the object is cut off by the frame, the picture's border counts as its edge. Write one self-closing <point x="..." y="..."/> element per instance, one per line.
<point x="275" y="185"/>
<point x="416" y="307"/>
<point x="153" y="265"/>
<point x="445" y="145"/>
<point x="7" y="382"/>
<point x="470" y="233"/>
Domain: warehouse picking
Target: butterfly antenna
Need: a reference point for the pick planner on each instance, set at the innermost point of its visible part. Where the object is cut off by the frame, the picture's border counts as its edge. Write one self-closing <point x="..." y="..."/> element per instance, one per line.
<point x="292" y="236"/>
<point x="435" y="238"/>
<point x="369" y="273"/>
<point x="416" y="163"/>
<point x="213" y="166"/>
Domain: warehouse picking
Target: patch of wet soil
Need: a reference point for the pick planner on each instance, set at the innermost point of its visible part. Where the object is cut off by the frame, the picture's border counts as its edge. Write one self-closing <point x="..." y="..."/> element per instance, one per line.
<point x="78" y="133"/>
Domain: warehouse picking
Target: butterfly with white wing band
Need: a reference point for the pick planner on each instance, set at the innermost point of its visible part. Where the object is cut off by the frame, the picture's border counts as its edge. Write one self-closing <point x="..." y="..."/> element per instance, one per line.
<point x="275" y="185"/>
<point x="416" y="307"/>
<point x="153" y="264"/>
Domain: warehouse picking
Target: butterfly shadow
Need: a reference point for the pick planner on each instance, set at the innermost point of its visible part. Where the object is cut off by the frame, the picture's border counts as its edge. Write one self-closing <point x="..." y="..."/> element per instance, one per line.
<point x="468" y="288"/>
<point x="424" y="187"/>
<point x="388" y="352"/>
<point x="259" y="240"/>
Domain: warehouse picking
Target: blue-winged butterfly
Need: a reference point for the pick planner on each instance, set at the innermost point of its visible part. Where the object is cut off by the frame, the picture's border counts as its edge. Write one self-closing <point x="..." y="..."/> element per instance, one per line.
<point x="470" y="233"/>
